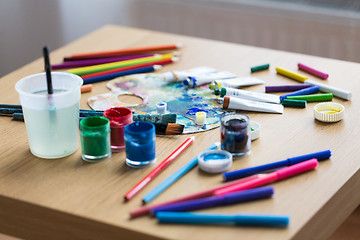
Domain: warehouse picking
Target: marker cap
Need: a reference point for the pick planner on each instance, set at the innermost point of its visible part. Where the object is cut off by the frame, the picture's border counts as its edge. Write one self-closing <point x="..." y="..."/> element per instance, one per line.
<point x="223" y="92"/>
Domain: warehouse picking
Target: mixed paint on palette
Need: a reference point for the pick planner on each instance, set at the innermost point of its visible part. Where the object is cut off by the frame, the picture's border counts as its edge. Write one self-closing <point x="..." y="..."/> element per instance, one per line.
<point x="152" y="89"/>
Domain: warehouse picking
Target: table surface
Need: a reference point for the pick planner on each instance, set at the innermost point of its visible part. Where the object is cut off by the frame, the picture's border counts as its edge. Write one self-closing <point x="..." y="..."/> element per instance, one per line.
<point x="69" y="198"/>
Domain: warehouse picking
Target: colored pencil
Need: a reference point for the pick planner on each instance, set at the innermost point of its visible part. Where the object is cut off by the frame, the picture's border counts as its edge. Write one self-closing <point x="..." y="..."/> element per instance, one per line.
<point x="174" y="177"/>
<point x="206" y="193"/>
<point x="108" y="66"/>
<point x="125" y="51"/>
<point x="156" y="171"/>
<point x="90" y="62"/>
<point x="116" y="70"/>
<point x="122" y="73"/>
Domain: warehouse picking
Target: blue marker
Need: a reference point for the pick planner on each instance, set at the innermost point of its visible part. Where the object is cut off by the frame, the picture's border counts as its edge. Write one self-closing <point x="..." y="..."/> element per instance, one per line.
<point x="119" y="74"/>
<point x="173" y="178"/>
<point x="228" y="176"/>
<point x="236" y="219"/>
<point x="230" y="198"/>
<point x="305" y="91"/>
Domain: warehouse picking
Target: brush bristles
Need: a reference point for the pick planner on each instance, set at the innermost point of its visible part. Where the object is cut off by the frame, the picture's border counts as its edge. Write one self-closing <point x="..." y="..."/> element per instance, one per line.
<point x="174" y="128"/>
<point x="168" y="128"/>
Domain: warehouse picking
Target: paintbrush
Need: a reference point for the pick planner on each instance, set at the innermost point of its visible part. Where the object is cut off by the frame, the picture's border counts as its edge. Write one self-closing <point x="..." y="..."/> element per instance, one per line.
<point x="160" y="128"/>
<point x="168" y="128"/>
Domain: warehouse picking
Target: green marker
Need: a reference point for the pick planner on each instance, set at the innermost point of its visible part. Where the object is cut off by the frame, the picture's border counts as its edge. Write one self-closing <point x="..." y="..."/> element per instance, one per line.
<point x="313" y="98"/>
<point x="260" y="68"/>
<point x="294" y="103"/>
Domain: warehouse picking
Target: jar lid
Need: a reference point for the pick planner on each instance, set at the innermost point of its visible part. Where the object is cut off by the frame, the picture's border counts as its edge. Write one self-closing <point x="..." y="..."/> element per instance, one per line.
<point x="118" y="116"/>
<point x="215" y="161"/>
<point x="329" y="112"/>
<point x="254" y="130"/>
<point x="95" y="123"/>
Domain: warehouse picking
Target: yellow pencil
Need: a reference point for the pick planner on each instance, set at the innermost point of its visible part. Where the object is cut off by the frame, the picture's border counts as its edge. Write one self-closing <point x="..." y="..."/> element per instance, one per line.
<point x="290" y="74"/>
<point x="107" y="66"/>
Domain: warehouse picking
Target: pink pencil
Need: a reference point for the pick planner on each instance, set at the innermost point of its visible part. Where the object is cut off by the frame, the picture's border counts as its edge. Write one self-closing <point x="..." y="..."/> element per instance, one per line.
<point x="271" y="177"/>
<point x="158" y="169"/>
<point x="313" y="71"/>
<point x="206" y="193"/>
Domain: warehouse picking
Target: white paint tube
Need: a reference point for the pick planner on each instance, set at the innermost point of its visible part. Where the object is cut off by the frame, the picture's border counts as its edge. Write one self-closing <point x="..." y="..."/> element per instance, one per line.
<point x="180" y="76"/>
<point x="236" y="82"/>
<point x="249" y="95"/>
<point x="247" y="105"/>
<point x="194" y="81"/>
<point x="329" y="89"/>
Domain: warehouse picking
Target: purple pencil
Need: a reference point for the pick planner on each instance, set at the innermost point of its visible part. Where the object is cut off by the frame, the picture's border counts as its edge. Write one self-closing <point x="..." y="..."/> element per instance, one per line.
<point x="286" y="88"/>
<point x="89" y="62"/>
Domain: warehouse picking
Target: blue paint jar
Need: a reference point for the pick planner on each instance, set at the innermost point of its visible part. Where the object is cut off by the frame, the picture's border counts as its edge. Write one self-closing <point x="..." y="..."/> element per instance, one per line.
<point x="140" y="144"/>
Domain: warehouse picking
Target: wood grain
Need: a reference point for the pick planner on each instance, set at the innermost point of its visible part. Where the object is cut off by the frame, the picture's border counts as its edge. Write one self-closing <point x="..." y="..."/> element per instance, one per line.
<point x="68" y="197"/>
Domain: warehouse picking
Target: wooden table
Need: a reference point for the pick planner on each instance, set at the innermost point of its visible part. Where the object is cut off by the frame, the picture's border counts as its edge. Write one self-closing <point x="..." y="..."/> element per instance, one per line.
<point x="69" y="198"/>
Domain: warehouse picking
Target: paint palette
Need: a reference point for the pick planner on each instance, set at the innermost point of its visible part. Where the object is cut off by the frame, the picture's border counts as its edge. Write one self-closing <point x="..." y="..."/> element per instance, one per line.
<point x="151" y="89"/>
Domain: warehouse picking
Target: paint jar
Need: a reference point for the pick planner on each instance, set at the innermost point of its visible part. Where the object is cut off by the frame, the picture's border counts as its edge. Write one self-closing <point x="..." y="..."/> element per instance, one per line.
<point x="235" y="134"/>
<point x="51" y="120"/>
<point x="95" y="139"/>
<point x="119" y="117"/>
<point x="140" y="144"/>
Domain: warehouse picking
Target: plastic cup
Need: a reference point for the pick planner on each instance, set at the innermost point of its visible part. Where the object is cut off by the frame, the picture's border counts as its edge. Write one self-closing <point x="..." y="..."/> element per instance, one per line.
<point x="52" y="121"/>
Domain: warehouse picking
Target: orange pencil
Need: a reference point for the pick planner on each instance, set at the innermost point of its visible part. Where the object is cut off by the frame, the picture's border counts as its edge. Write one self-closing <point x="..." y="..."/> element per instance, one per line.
<point x="120" y="69"/>
<point x="126" y="51"/>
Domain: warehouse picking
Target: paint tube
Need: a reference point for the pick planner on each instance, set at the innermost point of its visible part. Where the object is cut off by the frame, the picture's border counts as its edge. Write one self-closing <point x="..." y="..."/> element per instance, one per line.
<point x="249" y="95"/>
<point x="194" y="81"/>
<point x="247" y="105"/>
<point x="180" y="76"/>
<point x="235" y="82"/>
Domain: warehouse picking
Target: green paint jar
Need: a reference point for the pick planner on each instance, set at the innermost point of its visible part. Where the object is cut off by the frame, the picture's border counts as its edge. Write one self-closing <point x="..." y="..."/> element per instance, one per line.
<point x="95" y="139"/>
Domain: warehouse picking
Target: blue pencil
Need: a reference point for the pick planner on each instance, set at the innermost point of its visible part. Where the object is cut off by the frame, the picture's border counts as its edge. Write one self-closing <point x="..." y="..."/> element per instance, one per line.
<point x="124" y="73"/>
<point x="173" y="178"/>
<point x="236" y="219"/>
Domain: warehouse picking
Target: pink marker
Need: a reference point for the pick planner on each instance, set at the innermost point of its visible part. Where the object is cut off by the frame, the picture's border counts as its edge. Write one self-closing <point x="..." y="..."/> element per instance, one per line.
<point x="270" y="177"/>
<point x="313" y="71"/>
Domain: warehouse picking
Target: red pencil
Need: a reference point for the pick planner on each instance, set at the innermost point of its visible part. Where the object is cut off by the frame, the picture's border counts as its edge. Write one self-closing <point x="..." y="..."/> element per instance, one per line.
<point x="158" y="169"/>
<point x="116" y="70"/>
<point x="126" y="51"/>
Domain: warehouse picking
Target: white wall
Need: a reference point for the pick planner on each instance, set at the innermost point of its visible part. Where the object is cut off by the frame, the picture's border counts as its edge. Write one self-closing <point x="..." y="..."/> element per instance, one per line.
<point x="27" y="25"/>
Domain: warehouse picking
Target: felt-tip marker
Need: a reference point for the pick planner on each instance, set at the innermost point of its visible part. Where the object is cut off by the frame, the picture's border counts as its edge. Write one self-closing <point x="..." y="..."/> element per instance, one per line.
<point x="229" y="176"/>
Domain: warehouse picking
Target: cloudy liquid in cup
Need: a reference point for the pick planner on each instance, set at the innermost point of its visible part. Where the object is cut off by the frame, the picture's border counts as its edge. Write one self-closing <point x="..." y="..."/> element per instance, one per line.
<point x="52" y="133"/>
